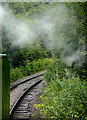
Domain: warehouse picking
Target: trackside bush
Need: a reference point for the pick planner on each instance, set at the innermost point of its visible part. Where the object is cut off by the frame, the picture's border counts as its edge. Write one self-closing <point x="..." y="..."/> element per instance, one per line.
<point x="64" y="96"/>
<point x="30" y="68"/>
<point x="15" y="74"/>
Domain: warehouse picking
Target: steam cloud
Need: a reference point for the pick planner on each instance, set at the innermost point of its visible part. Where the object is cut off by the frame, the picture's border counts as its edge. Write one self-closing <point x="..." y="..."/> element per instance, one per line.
<point x="52" y="26"/>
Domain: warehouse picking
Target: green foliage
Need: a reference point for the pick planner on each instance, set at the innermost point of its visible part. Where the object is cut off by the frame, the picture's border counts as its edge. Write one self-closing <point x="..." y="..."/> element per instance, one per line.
<point x="65" y="94"/>
<point x="57" y="68"/>
<point x="74" y="31"/>
<point x="18" y="56"/>
<point x="27" y="9"/>
<point x="29" y="68"/>
<point x="16" y="74"/>
<point x="80" y="70"/>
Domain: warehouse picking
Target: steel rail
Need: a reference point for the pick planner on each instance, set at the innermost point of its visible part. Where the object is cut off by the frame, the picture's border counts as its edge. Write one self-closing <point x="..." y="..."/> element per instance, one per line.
<point x="26" y="79"/>
<point x="22" y="96"/>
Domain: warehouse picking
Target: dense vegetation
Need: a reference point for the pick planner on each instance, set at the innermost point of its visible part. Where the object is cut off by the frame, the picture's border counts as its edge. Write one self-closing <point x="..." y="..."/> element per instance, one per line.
<point x="64" y="60"/>
<point x="65" y="94"/>
<point x="30" y="58"/>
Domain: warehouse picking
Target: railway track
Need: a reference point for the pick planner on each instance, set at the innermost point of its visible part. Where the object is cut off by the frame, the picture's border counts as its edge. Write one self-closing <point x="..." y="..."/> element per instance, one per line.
<point x="22" y="93"/>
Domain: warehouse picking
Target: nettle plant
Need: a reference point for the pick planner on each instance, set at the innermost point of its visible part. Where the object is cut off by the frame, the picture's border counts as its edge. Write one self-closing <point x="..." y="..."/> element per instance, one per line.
<point x="64" y="97"/>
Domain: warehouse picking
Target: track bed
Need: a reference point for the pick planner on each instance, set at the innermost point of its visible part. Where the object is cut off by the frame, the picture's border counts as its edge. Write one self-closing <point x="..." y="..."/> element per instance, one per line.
<point x="22" y="96"/>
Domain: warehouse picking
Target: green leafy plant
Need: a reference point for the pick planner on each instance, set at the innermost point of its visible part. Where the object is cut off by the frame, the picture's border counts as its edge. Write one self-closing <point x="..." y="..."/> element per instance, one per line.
<point x="30" y="68"/>
<point x="65" y="94"/>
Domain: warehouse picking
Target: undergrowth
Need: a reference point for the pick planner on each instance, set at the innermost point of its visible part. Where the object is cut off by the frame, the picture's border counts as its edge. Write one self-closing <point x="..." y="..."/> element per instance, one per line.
<point x="30" y="68"/>
<point x="65" y="95"/>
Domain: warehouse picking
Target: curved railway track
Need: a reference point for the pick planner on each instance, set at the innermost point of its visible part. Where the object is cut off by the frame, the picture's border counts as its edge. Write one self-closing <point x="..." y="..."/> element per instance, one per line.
<point x="21" y="95"/>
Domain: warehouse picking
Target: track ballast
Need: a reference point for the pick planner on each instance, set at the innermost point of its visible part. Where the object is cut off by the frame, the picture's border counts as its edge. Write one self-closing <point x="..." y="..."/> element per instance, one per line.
<point x="20" y="108"/>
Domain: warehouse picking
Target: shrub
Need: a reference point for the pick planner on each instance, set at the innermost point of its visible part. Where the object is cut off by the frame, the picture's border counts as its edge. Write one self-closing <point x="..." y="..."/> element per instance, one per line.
<point x="15" y="74"/>
<point x="57" y="68"/>
<point x="30" y="68"/>
<point x="37" y="66"/>
<point x="65" y="94"/>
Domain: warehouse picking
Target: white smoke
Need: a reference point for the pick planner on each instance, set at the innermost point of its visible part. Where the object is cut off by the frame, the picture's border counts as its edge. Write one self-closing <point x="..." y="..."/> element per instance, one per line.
<point x="51" y="25"/>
